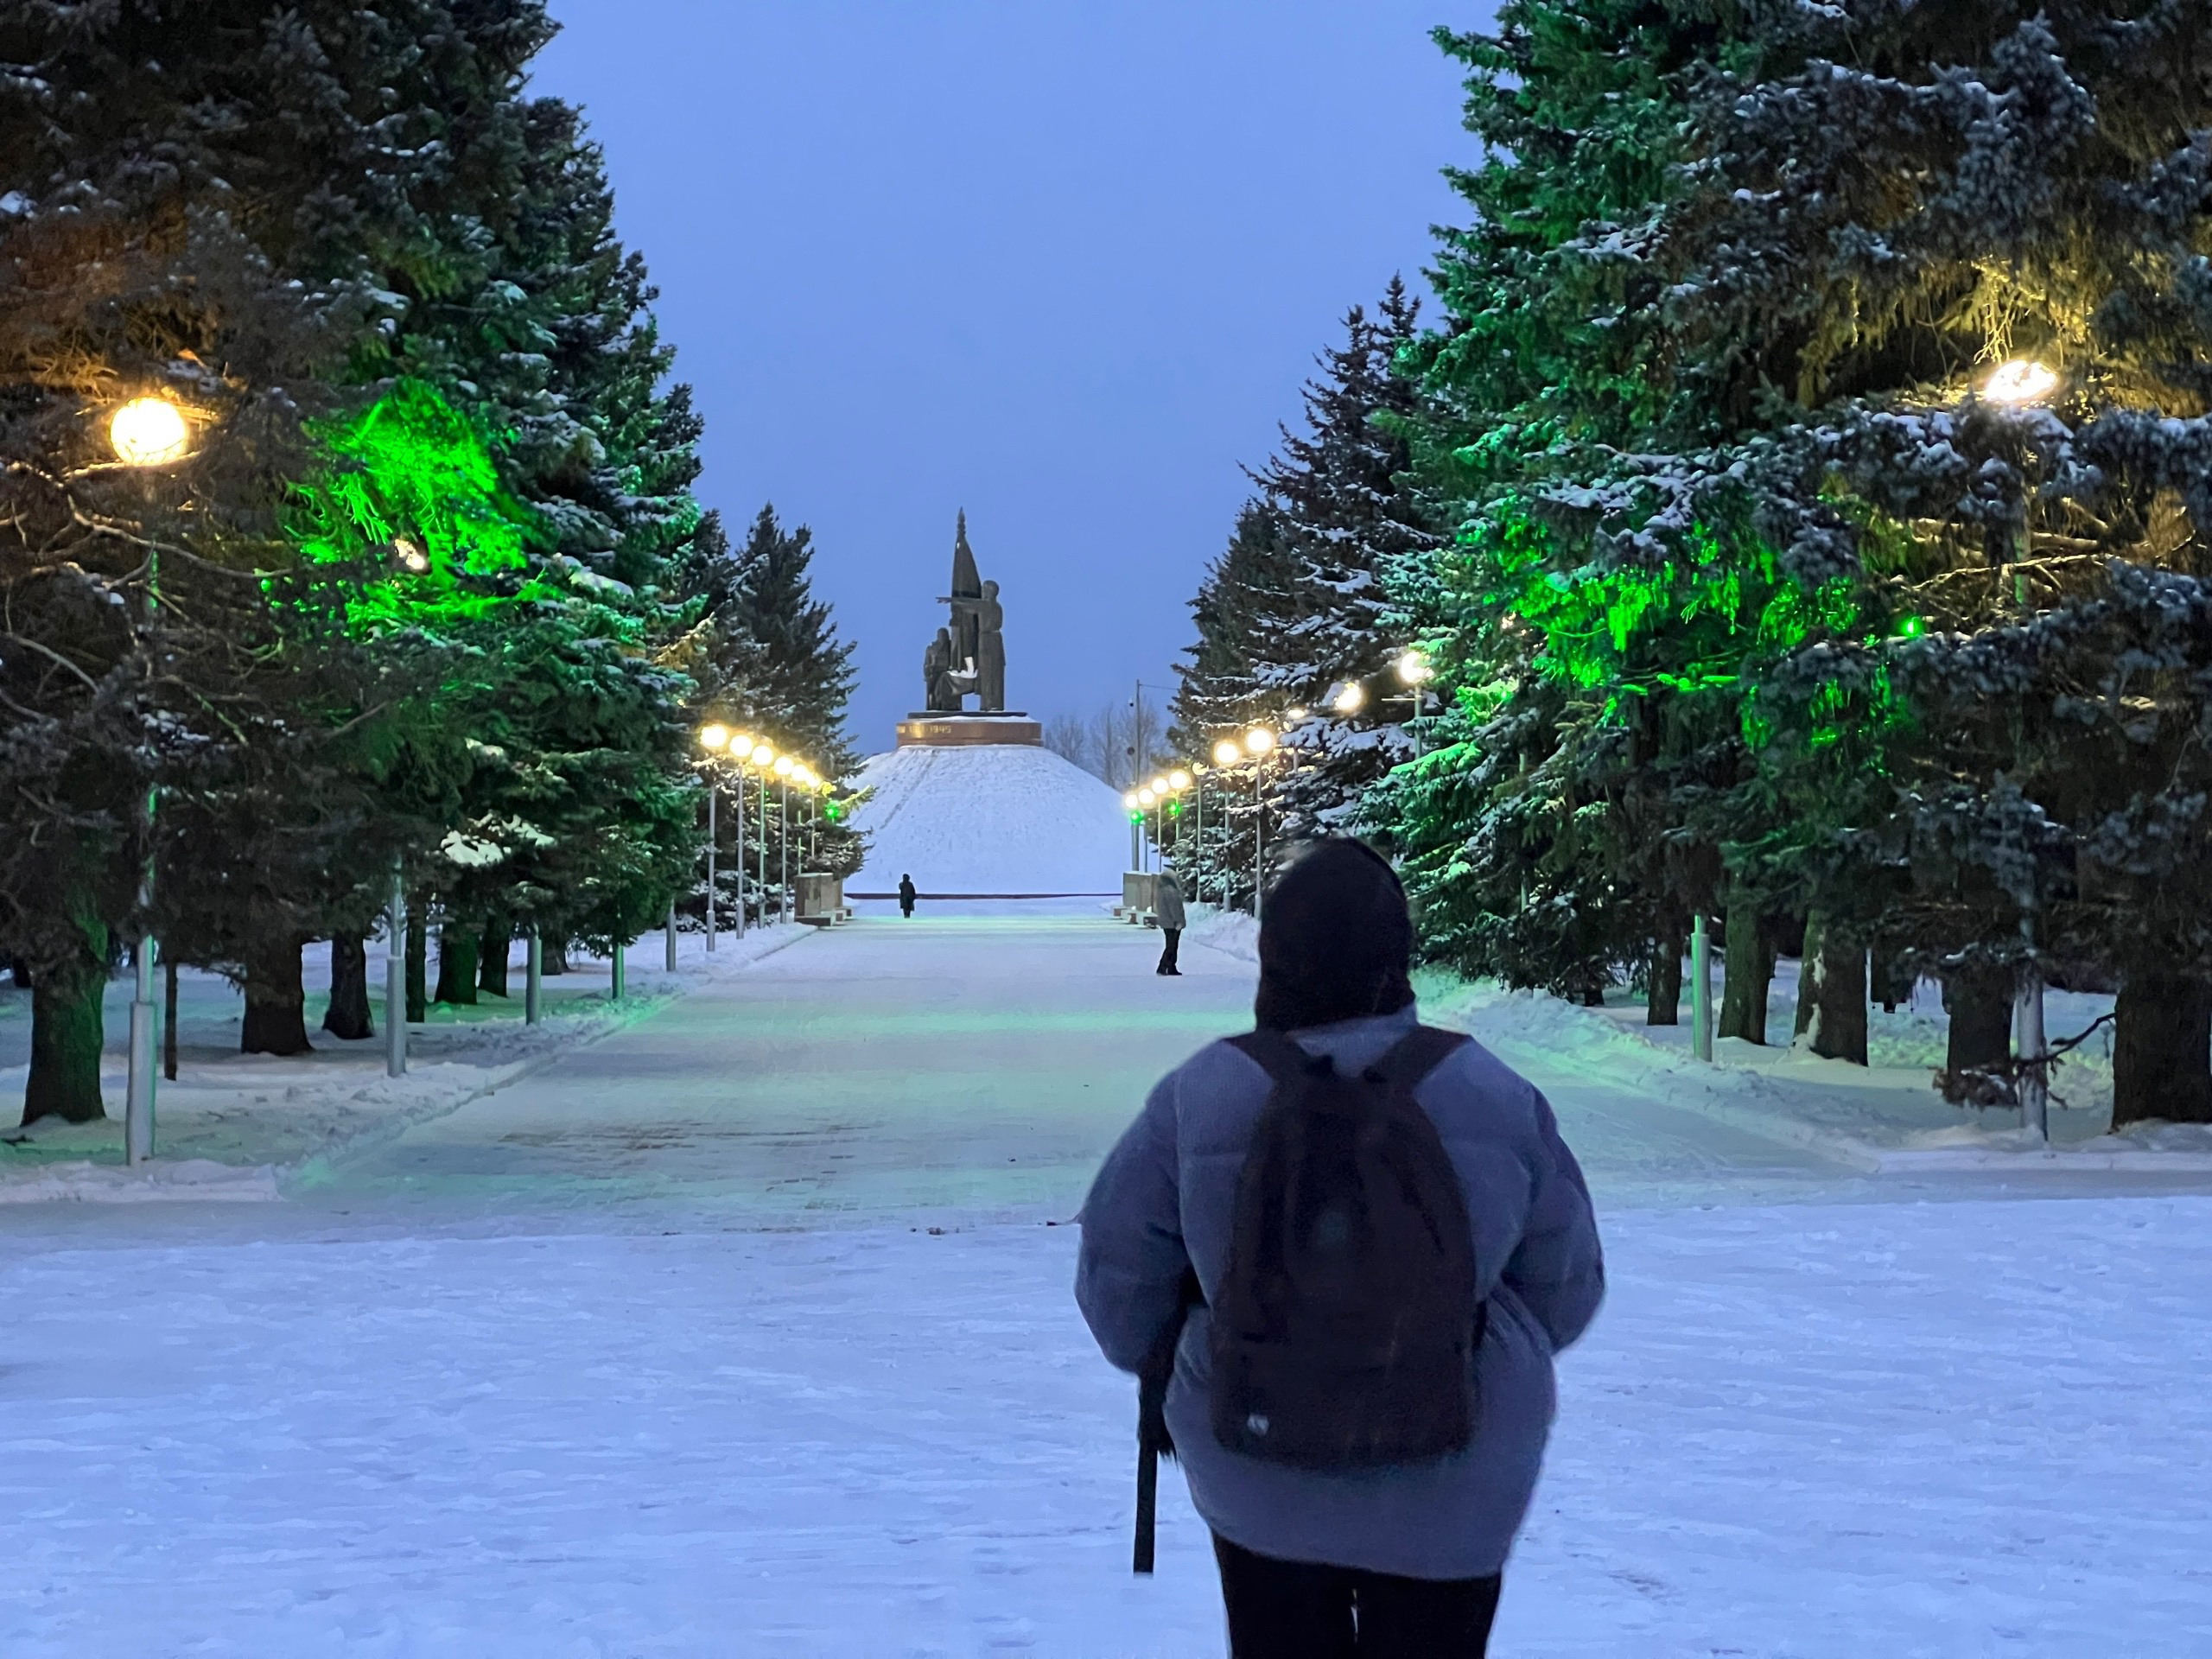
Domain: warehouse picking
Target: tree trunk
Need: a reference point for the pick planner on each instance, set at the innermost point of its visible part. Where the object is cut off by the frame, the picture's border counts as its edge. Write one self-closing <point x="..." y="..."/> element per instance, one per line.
<point x="1809" y="977"/>
<point x="418" y="966"/>
<point x="456" y="965"/>
<point x="492" y="962"/>
<point x="348" y="1015"/>
<point x="276" y="1001"/>
<point x="2162" y="1034"/>
<point x="1750" y="969"/>
<point x="1663" y="1004"/>
<point x="168" y="1020"/>
<point x="1839" y="1026"/>
<point x="553" y="955"/>
<point x="1980" y="1002"/>
<point x="66" y="1036"/>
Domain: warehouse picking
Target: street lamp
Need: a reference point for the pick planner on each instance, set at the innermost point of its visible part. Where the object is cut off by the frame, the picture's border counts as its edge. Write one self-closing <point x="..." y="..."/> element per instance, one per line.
<point x="149" y="432"/>
<point x="2022" y="380"/>
<point x="1259" y="742"/>
<point x="1351" y="699"/>
<point x="1413" y="667"/>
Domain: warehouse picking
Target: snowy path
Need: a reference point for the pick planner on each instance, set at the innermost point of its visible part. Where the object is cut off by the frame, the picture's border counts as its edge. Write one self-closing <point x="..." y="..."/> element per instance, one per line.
<point x="656" y="1354"/>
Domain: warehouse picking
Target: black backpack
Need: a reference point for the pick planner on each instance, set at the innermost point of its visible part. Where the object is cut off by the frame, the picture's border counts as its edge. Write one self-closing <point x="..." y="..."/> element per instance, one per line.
<point x="1346" y="1324"/>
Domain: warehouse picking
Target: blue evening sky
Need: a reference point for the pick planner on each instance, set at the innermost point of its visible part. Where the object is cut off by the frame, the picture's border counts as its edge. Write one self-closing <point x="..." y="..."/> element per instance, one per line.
<point x="1064" y="264"/>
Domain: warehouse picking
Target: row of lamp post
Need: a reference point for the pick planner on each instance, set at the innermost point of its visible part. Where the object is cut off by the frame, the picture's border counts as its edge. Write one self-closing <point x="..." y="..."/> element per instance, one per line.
<point x="756" y="755"/>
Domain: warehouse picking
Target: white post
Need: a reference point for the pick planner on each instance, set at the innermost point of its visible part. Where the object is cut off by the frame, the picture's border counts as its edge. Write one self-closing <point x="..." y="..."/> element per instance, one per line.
<point x="761" y="863"/>
<point x="1259" y="833"/>
<point x="672" y="936"/>
<point x="2028" y="1040"/>
<point x="1199" y="790"/>
<point x="395" y="977"/>
<point x="784" y="848"/>
<point x="1700" y="988"/>
<point x="711" y="792"/>
<point x="138" y="1109"/>
<point x="533" y="982"/>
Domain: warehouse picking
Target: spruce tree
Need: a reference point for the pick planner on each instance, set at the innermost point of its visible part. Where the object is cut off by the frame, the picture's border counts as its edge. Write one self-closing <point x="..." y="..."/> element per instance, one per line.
<point x="802" y="676"/>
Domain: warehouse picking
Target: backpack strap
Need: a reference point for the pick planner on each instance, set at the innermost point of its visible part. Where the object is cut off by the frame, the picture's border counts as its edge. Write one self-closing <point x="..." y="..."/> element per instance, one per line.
<point x="1284" y="1061"/>
<point x="1415" y="1055"/>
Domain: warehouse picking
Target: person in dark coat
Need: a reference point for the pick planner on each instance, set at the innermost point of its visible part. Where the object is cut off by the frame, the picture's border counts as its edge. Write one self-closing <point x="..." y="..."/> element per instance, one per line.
<point x="1167" y="910"/>
<point x="1407" y="1560"/>
<point x="906" y="895"/>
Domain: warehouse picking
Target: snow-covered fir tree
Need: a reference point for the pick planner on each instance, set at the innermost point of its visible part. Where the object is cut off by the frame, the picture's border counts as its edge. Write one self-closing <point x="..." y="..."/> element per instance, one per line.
<point x="1296" y="609"/>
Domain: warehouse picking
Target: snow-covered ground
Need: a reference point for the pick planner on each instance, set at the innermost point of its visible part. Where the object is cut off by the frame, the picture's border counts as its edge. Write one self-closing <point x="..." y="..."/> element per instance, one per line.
<point x="745" y="1329"/>
<point x="991" y="819"/>
<point x="232" y="1125"/>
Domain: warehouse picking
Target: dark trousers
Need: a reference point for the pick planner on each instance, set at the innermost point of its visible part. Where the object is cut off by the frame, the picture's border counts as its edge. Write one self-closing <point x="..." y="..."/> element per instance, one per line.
<point x="1294" y="1610"/>
<point x="1174" y="936"/>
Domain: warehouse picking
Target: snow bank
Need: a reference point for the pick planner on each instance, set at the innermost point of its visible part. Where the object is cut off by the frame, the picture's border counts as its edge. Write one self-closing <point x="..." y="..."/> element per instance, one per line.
<point x="1001" y="820"/>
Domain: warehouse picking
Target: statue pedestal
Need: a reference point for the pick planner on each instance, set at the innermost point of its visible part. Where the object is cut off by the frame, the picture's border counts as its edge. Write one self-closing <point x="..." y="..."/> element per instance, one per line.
<point x="951" y="731"/>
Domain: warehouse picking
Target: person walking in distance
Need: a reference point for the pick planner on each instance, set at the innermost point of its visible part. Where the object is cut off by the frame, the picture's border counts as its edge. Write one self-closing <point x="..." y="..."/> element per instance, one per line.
<point x="1167" y="910"/>
<point x="906" y="895"/>
<point x="1345" y="1246"/>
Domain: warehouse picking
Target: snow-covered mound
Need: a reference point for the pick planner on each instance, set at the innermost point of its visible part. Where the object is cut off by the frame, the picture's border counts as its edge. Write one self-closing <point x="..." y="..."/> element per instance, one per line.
<point x="998" y="820"/>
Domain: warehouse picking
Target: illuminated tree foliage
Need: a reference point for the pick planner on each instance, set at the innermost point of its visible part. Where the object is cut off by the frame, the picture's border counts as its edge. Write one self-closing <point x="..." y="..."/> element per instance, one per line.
<point x="411" y="594"/>
<point x="1755" y="601"/>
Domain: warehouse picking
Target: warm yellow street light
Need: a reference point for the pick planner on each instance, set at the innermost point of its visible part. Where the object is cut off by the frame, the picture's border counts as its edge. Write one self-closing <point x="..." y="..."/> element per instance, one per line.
<point x="1258" y="739"/>
<point x="762" y="755"/>
<point x="1226" y="754"/>
<point x="1413" y="667"/>
<point x="1350" y="700"/>
<point x="1129" y="800"/>
<point x="1160" y="785"/>
<point x="410" y="555"/>
<point x="783" y="764"/>
<point x="713" y="737"/>
<point x="2023" y="380"/>
<point x="1178" y="779"/>
<point x="1146" y="798"/>
<point x="149" y="432"/>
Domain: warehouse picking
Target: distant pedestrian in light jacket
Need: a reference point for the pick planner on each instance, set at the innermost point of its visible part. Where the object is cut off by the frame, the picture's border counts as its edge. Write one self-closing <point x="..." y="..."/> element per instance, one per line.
<point x="1167" y="910"/>
<point x="906" y="895"/>
<point x="1404" y="1559"/>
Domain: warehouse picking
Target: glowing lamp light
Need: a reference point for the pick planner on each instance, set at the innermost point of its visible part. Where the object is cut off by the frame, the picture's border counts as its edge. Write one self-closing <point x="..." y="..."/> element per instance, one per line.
<point x="783" y="765"/>
<point x="1226" y="754"/>
<point x="713" y="737"/>
<point x="1413" y="667"/>
<point x="1350" y="700"/>
<point x="410" y="555"/>
<point x="1129" y="800"/>
<point x="1179" y="779"/>
<point x="1145" y="797"/>
<point x="1160" y="785"/>
<point x="763" y="755"/>
<point x="2023" y="380"/>
<point x="740" y="745"/>
<point x="149" y="432"/>
<point x="1258" y="739"/>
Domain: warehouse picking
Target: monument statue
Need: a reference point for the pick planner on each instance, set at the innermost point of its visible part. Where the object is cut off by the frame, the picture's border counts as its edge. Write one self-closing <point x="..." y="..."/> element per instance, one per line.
<point x="970" y="654"/>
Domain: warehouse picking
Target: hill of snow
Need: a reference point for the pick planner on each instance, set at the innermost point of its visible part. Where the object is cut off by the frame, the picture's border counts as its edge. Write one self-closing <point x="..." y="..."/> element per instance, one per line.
<point x="999" y="820"/>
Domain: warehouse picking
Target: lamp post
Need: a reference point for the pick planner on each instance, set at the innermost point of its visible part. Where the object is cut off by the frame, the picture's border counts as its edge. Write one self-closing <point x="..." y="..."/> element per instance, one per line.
<point x="784" y="765"/>
<point x="1226" y="754"/>
<point x="1136" y="831"/>
<point x="715" y="739"/>
<point x="763" y="757"/>
<point x="1259" y="742"/>
<point x="1145" y="798"/>
<point x="1178" y="781"/>
<point x="146" y="432"/>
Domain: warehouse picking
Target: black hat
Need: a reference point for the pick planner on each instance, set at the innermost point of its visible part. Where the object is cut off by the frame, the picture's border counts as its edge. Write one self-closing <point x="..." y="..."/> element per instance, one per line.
<point x="1335" y="939"/>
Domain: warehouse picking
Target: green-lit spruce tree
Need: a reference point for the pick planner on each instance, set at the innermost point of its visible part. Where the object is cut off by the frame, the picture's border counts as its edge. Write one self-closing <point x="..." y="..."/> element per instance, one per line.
<point x="1556" y="828"/>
